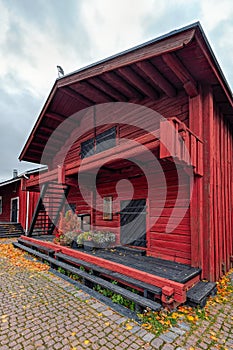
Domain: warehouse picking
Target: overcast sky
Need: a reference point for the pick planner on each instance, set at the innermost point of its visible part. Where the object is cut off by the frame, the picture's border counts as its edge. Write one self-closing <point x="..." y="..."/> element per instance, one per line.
<point x="38" y="35"/>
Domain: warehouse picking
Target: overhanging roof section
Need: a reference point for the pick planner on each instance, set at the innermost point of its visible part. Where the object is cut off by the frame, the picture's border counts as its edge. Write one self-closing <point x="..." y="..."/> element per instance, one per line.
<point x="179" y="60"/>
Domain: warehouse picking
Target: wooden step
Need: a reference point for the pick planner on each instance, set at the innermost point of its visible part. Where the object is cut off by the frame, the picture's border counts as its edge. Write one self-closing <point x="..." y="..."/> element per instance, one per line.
<point x="198" y="295"/>
<point x="37" y="247"/>
<point x="95" y="280"/>
<point x="145" y="287"/>
<point x="11" y="230"/>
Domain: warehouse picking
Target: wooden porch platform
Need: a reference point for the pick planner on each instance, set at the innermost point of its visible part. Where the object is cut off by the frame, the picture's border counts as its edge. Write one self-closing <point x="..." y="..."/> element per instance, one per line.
<point x="158" y="267"/>
<point x="166" y="269"/>
<point x="173" y="279"/>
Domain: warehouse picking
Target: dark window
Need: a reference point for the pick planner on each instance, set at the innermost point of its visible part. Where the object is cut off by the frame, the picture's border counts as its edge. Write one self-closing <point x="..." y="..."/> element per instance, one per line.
<point x="100" y="143"/>
<point x="106" y="140"/>
<point x="88" y="148"/>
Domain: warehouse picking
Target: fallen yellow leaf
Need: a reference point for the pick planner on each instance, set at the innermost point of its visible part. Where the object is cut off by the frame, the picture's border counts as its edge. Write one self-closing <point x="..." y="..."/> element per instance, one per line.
<point x="190" y="318"/>
<point x="128" y="327"/>
<point x="86" y="342"/>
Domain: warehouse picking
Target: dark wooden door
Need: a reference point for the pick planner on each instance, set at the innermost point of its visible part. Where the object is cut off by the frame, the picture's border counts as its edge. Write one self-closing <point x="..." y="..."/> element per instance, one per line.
<point x="14" y="210"/>
<point x="133" y="222"/>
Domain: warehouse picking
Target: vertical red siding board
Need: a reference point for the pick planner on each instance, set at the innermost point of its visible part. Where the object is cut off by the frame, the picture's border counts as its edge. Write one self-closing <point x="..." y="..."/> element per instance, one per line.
<point x="215" y="199"/>
<point x="230" y="191"/>
<point x="218" y="180"/>
<point x="228" y="232"/>
<point x="196" y="204"/>
<point x="225" y="196"/>
<point x="166" y="139"/>
<point x="231" y="186"/>
<point x="208" y="263"/>
<point x="200" y="158"/>
<point x="223" y="191"/>
<point x="193" y="152"/>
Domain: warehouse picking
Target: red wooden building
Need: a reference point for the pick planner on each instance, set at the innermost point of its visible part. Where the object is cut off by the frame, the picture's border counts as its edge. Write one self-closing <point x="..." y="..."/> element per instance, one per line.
<point x="178" y="210"/>
<point x="17" y="205"/>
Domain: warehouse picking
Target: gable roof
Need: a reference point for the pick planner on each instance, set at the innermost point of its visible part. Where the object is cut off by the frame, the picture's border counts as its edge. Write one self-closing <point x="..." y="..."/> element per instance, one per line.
<point x="178" y="60"/>
<point x="23" y="175"/>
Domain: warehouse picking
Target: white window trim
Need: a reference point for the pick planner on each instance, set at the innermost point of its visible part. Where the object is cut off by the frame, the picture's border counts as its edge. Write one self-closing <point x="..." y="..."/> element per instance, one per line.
<point x="17" y="208"/>
<point x="1" y="205"/>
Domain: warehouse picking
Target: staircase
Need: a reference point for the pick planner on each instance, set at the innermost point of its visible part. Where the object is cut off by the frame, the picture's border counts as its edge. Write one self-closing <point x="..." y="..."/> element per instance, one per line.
<point x="8" y="229"/>
<point x="142" y="292"/>
<point x="49" y="206"/>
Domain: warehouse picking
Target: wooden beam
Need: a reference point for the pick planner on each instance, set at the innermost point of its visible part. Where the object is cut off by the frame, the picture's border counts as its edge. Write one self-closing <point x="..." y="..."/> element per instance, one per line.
<point x="75" y="95"/>
<point x="42" y="146"/>
<point x="107" y="88"/>
<point x="90" y="91"/>
<point x="128" y="90"/>
<point x="138" y="82"/>
<point x="214" y="67"/>
<point x="55" y="116"/>
<point x="45" y="138"/>
<point x="182" y="74"/>
<point x="156" y="77"/>
<point x="156" y="48"/>
<point x="114" y="171"/>
<point x="51" y="130"/>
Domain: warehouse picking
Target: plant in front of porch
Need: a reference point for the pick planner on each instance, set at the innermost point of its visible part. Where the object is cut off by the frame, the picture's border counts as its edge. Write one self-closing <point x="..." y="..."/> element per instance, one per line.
<point x="96" y="239"/>
<point x="68" y="228"/>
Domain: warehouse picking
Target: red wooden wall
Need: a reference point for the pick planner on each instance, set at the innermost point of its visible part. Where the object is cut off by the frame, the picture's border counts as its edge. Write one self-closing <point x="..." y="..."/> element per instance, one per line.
<point x="175" y="245"/>
<point x="15" y="190"/>
<point x="222" y="193"/>
<point x="167" y="107"/>
<point x="8" y="192"/>
<point x="212" y="200"/>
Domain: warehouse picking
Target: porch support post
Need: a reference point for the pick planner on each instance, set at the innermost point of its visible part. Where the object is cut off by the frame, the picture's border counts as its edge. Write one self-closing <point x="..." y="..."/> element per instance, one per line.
<point x="61" y="174"/>
<point x="208" y="232"/>
<point x="196" y="203"/>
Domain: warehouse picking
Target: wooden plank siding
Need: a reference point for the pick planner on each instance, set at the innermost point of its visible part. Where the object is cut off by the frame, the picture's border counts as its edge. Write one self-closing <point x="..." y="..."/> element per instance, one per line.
<point x="222" y="194"/>
<point x="212" y="198"/>
<point x="167" y="107"/>
<point x="15" y="190"/>
<point x="175" y="245"/>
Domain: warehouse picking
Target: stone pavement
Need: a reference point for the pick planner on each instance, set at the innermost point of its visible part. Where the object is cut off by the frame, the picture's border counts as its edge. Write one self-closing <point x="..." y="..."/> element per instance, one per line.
<point x="39" y="310"/>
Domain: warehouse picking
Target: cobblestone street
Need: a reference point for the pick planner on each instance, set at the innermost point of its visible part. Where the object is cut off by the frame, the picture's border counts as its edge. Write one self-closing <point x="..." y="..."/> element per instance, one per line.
<point x="39" y="310"/>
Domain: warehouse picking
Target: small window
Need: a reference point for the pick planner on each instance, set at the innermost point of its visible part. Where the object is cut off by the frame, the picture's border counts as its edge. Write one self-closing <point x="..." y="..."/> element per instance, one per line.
<point x="107" y="208"/>
<point x="0" y="205"/>
<point x="88" y="148"/>
<point x="100" y="143"/>
<point x="106" y="140"/>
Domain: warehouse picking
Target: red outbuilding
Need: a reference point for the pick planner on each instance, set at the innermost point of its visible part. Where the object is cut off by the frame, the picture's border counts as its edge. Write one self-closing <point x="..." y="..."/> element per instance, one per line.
<point x="141" y="144"/>
<point x="17" y="205"/>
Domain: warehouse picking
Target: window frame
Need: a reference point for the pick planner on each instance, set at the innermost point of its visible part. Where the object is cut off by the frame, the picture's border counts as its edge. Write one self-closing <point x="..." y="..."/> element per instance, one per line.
<point x="12" y="199"/>
<point x="96" y="149"/>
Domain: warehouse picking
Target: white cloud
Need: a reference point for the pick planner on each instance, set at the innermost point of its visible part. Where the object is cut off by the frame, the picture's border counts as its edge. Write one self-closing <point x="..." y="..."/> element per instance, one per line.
<point x="117" y="25"/>
<point x="214" y="12"/>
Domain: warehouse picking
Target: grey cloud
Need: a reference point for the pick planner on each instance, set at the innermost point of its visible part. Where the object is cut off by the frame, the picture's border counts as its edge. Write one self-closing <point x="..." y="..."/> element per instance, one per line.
<point x="64" y="17"/>
<point x="17" y="115"/>
<point x="176" y="15"/>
